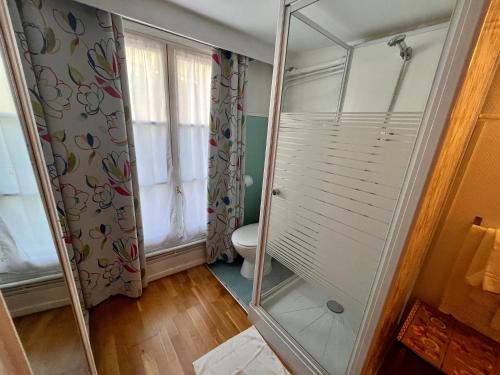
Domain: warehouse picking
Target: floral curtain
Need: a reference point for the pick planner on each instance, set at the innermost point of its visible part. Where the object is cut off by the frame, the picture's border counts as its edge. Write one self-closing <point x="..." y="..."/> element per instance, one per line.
<point x="226" y="165"/>
<point x="74" y="62"/>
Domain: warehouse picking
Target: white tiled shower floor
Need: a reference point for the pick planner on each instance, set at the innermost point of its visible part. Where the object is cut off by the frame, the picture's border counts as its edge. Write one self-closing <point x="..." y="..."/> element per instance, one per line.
<point x="300" y="308"/>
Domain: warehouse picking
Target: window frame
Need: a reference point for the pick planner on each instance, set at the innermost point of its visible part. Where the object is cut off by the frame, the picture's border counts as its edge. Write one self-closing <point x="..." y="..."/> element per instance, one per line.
<point x="171" y="43"/>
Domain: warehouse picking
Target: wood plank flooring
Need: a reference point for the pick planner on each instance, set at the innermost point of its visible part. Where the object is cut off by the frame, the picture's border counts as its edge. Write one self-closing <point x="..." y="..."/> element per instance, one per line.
<point x="52" y="343"/>
<point x="177" y="320"/>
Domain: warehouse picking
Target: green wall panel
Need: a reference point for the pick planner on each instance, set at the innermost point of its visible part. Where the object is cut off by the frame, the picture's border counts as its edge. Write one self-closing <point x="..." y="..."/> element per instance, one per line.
<point x="256" y="128"/>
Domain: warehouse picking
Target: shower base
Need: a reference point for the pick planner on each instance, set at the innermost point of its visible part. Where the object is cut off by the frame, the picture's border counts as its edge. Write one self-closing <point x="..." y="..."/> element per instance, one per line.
<point x="301" y="309"/>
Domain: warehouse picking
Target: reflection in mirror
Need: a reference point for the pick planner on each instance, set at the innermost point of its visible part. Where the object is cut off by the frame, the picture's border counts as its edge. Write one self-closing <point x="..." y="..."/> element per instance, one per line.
<point x="30" y="274"/>
<point x="354" y="90"/>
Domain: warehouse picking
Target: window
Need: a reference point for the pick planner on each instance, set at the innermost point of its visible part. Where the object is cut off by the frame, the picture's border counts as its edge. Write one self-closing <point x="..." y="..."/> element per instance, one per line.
<point x="170" y="95"/>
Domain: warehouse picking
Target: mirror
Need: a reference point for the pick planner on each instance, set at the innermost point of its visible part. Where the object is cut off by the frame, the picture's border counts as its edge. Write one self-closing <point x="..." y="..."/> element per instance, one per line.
<point x="355" y="86"/>
<point x="31" y="277"/>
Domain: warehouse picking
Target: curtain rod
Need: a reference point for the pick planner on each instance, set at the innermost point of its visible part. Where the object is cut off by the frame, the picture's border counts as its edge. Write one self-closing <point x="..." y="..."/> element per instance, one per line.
<point x="173" y="33"/>
<point x="168" y="32"/>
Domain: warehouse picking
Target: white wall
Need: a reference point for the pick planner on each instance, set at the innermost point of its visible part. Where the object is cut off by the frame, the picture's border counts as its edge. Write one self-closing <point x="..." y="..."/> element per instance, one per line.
<point x="177" y="20"/>
<point x="375" y="69"/>
<point x="259" y="88"/>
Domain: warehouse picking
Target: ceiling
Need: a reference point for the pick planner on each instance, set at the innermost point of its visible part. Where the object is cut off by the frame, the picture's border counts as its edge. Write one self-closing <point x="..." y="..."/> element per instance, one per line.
<point x="378" y="18"/>
<point x="256" y="18"/>
<point x="350" y="20"/>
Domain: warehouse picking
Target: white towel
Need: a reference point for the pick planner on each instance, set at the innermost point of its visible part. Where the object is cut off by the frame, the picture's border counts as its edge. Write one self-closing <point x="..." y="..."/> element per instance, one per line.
<point x="491" y="280"/>
<point x="470" y="305"/>
<point x="477" y="268"/>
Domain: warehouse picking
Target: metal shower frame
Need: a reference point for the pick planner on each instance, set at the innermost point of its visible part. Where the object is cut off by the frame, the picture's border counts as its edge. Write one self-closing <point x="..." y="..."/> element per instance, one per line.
<point x="349" y="49"/>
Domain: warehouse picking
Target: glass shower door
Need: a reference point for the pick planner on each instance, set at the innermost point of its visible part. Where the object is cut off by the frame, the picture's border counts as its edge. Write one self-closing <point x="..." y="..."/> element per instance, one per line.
<point x="349" y="119"/>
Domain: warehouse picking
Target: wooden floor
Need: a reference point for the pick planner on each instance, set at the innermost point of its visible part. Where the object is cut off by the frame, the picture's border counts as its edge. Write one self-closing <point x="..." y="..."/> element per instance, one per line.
<point x="178" y="319"/>
<point x="51" y="341"/>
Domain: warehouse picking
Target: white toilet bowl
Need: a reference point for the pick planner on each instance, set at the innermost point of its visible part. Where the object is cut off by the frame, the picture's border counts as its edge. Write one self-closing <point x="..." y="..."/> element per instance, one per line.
<point x="245" y="242"/>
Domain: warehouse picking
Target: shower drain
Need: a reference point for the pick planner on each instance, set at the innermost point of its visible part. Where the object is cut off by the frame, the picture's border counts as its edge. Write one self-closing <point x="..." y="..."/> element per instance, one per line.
<point x="334" y="306"/>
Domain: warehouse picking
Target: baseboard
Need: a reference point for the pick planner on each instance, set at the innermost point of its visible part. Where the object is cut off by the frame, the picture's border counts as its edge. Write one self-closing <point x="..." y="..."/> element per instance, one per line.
<point x="172" y="262"/>
<point x="29" y="299"/>
<point x="32" y="298"/>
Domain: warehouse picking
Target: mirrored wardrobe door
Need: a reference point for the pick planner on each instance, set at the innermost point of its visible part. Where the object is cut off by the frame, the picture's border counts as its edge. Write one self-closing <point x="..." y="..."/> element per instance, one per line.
<point x="31" y="271"/>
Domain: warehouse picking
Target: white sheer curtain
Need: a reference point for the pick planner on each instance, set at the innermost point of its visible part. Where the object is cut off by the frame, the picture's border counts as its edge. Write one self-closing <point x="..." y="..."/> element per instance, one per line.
<point x="146" y="62"/>
<point x="171" y="150"/>
<point x="193" y="77"/>
<point x="26" y="246"/>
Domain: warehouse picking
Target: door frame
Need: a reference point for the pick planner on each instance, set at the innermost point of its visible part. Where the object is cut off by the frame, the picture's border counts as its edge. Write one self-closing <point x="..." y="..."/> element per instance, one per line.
<point x="466" y="17"/>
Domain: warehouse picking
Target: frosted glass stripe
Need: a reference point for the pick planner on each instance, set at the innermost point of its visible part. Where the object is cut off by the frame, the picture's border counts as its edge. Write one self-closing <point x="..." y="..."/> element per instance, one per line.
<point x="348" y="242"/>
<point x="350" y="205"/>
<point x="342" y="193"/>
<point x="339" y="177"/>
<point x="333" y="183"/>
<point x="369" y="187"/>
<point x="388" y="177"/>
<point x="384" y="158"/>
<point x="325" y="222"/>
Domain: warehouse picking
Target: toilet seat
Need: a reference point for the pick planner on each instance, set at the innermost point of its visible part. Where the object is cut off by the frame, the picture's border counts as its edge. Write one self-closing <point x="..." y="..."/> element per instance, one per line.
<point x="246" y="236"/>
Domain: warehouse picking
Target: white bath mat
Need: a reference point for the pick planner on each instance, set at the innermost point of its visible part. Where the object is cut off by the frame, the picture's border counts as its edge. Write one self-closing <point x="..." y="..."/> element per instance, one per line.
<point x="245" y="354"/>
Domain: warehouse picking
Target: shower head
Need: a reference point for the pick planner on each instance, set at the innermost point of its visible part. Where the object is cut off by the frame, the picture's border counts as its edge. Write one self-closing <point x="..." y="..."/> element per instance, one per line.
<point x="404" y="51"/>
<point x="396" y="40"/>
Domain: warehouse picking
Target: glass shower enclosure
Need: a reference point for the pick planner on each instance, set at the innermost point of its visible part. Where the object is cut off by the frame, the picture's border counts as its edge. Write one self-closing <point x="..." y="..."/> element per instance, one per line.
<point x="359" y="101"/>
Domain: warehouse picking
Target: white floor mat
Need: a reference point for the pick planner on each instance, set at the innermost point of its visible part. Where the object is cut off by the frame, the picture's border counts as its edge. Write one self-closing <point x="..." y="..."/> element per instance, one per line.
<point x="245" y="354"/>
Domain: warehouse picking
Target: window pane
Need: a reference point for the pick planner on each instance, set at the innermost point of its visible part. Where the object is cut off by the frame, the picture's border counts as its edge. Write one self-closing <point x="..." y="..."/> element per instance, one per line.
<point x="193" y="78"/>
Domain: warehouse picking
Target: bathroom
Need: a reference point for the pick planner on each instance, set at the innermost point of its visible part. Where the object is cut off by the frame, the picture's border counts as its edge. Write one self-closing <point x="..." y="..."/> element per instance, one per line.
<point x="185" y="179"/>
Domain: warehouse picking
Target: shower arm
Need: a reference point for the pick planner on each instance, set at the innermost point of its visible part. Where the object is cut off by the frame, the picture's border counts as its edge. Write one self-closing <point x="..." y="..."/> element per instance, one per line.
<point x="397" y="87"/>
<point x="406" y="54"/>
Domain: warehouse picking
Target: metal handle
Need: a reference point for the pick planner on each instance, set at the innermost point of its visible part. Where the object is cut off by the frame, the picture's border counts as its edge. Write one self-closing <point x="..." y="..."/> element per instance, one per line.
<point x="276" y="191"/>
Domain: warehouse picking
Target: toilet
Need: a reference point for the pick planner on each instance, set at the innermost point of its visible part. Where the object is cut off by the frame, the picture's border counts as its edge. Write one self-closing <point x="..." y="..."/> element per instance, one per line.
<point x="245" y="242"/>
